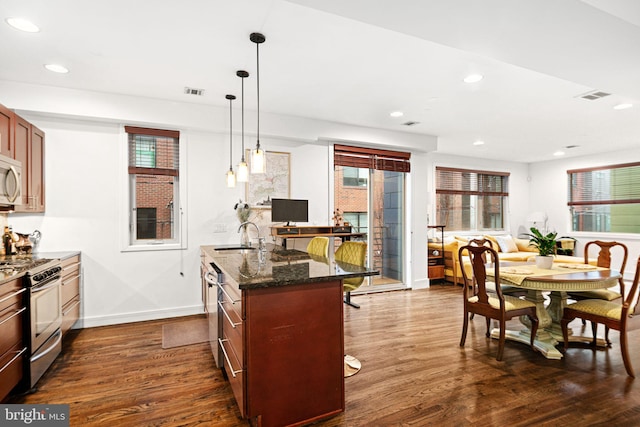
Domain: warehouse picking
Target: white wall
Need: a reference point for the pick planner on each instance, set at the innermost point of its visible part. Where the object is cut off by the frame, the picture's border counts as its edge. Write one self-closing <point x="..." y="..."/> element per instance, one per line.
<point x="549" y="188"/>
<point x="84" y="173"/>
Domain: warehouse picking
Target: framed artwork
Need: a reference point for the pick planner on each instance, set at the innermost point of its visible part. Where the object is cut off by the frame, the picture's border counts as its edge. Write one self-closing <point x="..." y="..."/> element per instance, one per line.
<point x="275" y="183"/>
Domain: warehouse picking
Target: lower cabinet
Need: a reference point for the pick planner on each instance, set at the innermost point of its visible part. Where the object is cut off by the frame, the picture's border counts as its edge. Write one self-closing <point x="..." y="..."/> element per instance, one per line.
<point x="283" y="351"/>
<point x="71" y="276"/>
<point x="12" y="345"/>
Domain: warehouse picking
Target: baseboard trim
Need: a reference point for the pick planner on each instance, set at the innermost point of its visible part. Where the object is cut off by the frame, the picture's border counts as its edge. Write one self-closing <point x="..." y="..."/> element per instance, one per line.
<point x="141" y="316"/>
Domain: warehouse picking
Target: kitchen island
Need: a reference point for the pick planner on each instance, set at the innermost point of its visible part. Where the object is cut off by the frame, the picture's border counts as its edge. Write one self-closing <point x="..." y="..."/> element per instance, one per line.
<point x="276" y="326"/>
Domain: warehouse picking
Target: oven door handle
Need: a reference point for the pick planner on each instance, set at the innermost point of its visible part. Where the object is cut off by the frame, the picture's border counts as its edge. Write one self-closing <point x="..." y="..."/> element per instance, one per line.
<point x="45" y="287"/>
<point x="51" y="347"/>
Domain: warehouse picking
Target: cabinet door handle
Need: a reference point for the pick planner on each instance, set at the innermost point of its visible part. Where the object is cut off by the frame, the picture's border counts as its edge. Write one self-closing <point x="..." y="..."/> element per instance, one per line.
<point x="233" y="301"/>
<point x="233" y="325"/>
<point x="16" y="293"/>
<point x="64" y="313"/>
<point x="224" y="351"/>
<point x="13" y="315"/>
<point x="18" y="354"/>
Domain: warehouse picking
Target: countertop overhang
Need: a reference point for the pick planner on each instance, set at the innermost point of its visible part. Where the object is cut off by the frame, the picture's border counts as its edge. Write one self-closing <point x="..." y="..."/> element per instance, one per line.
<point x="254" y="269"/>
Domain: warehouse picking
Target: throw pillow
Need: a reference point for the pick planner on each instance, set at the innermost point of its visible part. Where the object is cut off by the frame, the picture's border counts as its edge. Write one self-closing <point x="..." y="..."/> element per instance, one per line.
<point x="507" y="244"/>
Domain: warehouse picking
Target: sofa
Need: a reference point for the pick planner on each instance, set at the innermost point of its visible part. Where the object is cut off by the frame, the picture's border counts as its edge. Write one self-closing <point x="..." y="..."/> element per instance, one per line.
<point x="508" y="248"/>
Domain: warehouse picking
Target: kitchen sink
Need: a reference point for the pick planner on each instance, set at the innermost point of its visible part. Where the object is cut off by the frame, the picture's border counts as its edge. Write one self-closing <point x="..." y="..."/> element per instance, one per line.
<point x="233" y="247"/>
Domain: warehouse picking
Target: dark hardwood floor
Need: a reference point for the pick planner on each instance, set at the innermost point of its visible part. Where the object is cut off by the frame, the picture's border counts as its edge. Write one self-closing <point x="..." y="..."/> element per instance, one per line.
<point x="414" y="374"/>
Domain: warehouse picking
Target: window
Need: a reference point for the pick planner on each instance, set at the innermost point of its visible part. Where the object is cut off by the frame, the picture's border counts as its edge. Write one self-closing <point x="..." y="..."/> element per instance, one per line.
<point x="355" y="177"/>
<point x="471" y="200"/>
<point x="154" y="159"/>
<point x="605" y="199"/>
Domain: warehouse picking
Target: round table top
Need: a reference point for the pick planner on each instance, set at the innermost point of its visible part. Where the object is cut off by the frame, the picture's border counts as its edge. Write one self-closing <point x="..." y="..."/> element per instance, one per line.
<point x="574" y="281"/>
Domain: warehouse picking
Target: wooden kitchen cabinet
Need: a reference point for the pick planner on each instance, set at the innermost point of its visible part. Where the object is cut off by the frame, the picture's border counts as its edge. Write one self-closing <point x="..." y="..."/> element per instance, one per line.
<point x="28" y="148"/>
<point x="6" y="131"/>
<point x="271" y="337"/>
<point x="12" y="345"/>
<point x="71" y="278"/>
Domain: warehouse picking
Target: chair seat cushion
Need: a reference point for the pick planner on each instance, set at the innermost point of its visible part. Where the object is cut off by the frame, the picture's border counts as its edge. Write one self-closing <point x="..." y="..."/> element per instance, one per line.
<point x="598" y="307"/>
<point x="510" y="303"/>
<point x="604" y="294"/>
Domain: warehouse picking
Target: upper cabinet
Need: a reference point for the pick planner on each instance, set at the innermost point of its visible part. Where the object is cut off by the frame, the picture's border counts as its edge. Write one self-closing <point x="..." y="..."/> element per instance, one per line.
<point x="6" y="131"/>
<point x="28" y="148"/>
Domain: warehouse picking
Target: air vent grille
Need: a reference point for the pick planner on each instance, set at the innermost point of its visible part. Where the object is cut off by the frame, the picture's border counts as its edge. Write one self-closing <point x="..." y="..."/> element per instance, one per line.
<point x="410" y="123"/>
<point x="593" y="95"/>
<point x="193" y="91"/>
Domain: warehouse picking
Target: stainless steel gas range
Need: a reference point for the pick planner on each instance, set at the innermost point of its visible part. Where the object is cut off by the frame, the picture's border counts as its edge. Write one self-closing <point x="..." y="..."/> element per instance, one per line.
<point x="42" y="280"/>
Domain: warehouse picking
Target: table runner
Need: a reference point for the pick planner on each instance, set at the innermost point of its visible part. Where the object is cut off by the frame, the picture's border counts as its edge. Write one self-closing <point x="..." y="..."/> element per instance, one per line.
<point x="519" y="274"/>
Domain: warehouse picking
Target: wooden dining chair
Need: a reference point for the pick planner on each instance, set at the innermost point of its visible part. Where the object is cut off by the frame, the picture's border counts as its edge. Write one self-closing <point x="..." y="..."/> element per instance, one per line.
<point x="612" y="314"/>
<point x="604" y="260"/>
<point x="491" y="305"/>
<point x="514" y="291"/>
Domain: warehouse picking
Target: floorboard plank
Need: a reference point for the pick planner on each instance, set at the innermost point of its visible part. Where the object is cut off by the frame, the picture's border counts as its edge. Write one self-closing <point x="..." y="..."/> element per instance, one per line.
<point x="414" y="373"/>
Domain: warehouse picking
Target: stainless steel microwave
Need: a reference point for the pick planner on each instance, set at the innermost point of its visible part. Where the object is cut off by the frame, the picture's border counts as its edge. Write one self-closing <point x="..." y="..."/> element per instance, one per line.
<point x="10" y="181"/>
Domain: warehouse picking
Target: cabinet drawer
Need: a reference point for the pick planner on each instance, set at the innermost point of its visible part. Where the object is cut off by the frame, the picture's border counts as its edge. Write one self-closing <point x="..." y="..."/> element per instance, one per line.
<point x="70" y="288"/>
<point x="70" y="267"/>
<point x="11" y="368"/>
<point x="436" y="272"/>
<point x="11" y="293"/>
<point x="235" y="374"/>
<point x="70" y="314"/>
<point x="11" y="326"/>
<point x="232" y="325"/>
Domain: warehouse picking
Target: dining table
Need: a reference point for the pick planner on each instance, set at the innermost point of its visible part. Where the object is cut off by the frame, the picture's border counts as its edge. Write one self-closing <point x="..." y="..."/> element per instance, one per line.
<point x="555" y="283"/>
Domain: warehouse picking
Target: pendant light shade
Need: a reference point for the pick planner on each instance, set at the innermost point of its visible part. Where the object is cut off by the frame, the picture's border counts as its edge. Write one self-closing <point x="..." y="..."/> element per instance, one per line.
<point x="258" y="160"/>
<point x="231" y="177"/>
<point x="243" y="170"/>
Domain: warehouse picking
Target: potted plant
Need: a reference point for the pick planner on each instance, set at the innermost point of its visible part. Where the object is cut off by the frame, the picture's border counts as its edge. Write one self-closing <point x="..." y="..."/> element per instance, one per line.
<point x="546" y="245"/>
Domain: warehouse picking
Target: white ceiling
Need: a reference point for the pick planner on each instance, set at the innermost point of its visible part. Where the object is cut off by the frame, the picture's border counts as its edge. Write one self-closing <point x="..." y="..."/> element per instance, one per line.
<point x="356" y="61"/>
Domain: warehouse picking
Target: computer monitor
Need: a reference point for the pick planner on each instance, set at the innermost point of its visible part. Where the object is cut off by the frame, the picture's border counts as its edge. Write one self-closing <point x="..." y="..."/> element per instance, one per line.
<point x="289" y="210"/>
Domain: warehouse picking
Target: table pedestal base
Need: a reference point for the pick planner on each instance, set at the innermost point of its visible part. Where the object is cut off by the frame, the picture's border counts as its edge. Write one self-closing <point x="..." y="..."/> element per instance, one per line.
<point x="545" y="343"/>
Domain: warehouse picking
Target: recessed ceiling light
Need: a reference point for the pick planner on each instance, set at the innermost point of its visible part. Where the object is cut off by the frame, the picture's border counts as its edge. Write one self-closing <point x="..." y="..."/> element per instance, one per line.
<point x="622" y="106"/>
<point x="559" y="153"/>
<point x="473" y="78"/>
<point x="23" y="25"/>
<point x="478" y="142"/>
<point x="56" y="68"/>
<point x="396" y="114"/>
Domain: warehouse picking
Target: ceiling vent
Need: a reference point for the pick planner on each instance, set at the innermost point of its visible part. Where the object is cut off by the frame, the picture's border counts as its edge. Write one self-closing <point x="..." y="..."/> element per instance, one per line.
<point x="410" y="123"/>
<point x="192" y="91"/>
<point x="593" y="95"/>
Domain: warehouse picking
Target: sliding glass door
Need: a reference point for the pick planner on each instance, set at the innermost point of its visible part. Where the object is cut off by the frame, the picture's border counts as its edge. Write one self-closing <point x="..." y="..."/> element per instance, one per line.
<point x="372" y="200"/>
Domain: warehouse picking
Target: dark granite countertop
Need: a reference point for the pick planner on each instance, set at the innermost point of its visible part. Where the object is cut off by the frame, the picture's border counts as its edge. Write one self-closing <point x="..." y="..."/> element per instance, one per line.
<point x="251" y="270"/>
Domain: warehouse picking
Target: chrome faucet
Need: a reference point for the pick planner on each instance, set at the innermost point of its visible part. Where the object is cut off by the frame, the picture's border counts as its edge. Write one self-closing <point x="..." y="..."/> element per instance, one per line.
<point x="261" y="240"/>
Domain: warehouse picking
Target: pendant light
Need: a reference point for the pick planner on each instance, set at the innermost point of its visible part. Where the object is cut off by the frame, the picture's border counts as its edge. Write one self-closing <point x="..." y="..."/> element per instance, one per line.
<point x="258" y="160"/>
<point x="243" y="170"/>
<point x="231" y="177"/>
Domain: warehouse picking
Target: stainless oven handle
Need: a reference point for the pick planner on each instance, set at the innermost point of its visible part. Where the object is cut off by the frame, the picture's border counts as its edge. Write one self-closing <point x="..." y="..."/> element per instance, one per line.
<point x="50" y="349"/>
<point x="13" y="315"/>
<point x="12" y="295"/>
<point x="224" y="351"/>
<point x="18" y="354"/>
<point x="45" y="287"/>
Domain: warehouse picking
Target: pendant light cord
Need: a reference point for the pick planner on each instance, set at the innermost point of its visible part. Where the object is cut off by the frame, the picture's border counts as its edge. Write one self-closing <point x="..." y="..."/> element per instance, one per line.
<point x="258" y="89"/>
<point x="242" y="118"/>
<point x="230" y="135"/>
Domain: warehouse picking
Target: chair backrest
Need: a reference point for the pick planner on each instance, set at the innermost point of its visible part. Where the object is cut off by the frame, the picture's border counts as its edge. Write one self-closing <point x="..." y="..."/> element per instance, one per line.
<point x="318" y="246"/>
<point x="631" y="300"/>
<point x="479" y="255"/>
<point x="352" y="253"/>
<point x="604" y="256"/>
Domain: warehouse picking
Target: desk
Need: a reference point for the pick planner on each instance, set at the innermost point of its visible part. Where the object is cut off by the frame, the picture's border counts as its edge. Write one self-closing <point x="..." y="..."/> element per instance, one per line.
<point x="344" y="232"/>
<point x="559" y="280"/>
